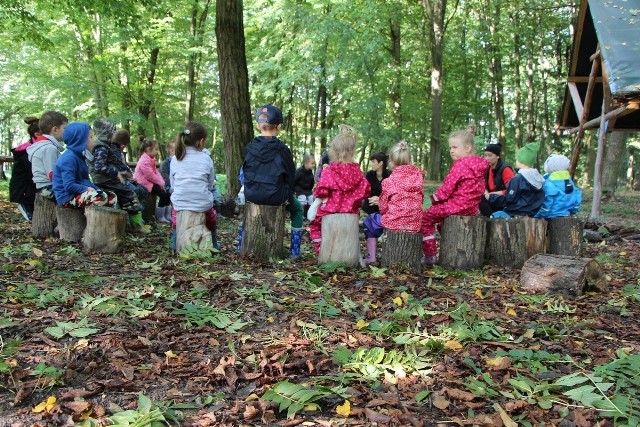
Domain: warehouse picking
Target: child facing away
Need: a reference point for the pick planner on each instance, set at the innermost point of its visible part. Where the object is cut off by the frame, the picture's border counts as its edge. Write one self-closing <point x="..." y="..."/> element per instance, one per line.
<point x="525" y="194"/>
<point x="459" y="194"/>
<point x="400" y="200"/>
<point x="269" y="173"/>
<point x="304" y="181"/>
<point x="71" y="185"/>
<point x="561" y="196"/>
<point x="165" y="165"/>
<point x="342" y="185"/>
<point x="192" y="178"/>
<point x="147" y="175"/>
<point x="22" y="190"/>
<point x="111" y="172"/>
<point x="46" y="150"/>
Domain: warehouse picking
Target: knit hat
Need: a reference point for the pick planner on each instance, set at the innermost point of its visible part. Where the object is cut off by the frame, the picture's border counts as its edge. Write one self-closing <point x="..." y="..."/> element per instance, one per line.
<point x="272" y="113"/>
<point x="556" y="162"/>
<point x="104" y="129"/>
<point x="527" y="155"/>
<point x="494" y="148"/>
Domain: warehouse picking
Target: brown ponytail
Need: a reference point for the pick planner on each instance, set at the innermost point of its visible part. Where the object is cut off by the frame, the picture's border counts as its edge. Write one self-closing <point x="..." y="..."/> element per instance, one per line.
<point x="192" y="133"/>
<point x="145" y="144"/>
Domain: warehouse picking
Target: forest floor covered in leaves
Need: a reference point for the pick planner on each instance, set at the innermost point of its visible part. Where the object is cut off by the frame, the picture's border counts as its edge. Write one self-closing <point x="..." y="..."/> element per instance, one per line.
<point x="145" y="337"/>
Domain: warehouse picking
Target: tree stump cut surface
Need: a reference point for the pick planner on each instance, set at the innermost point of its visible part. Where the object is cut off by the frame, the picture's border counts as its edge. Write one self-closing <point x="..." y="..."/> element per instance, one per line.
<point x="402" y="248"/>
<point x="263" y="231"/>
<point x="192" y="232"/>
<point x="340" y="240"/>
<point x="564" y="275"/>
<point x="149" y="211"/>
<point x="507" y="242"/>
<point x="536" y="230"/>
<point x="462" y="242"/>
<point x="105" y="230"/>
<point x="44" y="218"/>
<point x="71" y="223"/>
<point x="565" y="236"/>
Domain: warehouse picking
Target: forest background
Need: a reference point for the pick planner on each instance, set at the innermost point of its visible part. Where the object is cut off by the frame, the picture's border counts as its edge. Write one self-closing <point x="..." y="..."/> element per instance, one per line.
<point x="414" y="70"/>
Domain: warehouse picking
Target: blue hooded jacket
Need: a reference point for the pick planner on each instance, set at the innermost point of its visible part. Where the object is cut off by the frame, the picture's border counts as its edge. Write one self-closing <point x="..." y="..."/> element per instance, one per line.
<point x="561" y="196"/>
<point x="71" y="173"/>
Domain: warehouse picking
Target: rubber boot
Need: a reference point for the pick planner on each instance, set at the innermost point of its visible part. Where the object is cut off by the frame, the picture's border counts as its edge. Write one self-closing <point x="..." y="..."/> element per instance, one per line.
<point x="160" y="216"/>
<point x="239" y="246"/>
<point x="214" y="240"/>
<point x="137" y="223"/>
<point x="372" y="246"/>
<point x="296" y="239"/>
<point x="167" y="213"/>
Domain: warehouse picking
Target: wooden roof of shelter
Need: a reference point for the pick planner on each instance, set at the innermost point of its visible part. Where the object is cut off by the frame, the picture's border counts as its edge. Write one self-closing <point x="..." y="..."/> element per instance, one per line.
<point x="607" y="31"/>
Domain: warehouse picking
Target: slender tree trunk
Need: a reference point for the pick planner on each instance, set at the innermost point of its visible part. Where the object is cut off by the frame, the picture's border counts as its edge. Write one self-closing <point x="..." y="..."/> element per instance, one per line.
<point x="394" y="31"/>
<point x="495" y="68"/>
<point x="436" y="11"/>
<point x="531" y="116"/>
<point x="517" y="56"/>
<point x="614" y="157"/>
<point x="323" y="113"/>
<point x="147" y="94"/>
<point x="198" y="24"/>
<point x="237" y="128"/>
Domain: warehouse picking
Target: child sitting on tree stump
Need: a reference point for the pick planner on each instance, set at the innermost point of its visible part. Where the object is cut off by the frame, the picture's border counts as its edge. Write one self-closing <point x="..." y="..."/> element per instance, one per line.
<point x="459" y="194"/>
<point x="400" y="201"/>
<point x="342" y="185"/>
<point x="561" y="196"/>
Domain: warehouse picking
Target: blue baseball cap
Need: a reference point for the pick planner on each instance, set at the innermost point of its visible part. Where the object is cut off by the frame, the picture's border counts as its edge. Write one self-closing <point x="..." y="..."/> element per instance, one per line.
<point x="272" y="113"/>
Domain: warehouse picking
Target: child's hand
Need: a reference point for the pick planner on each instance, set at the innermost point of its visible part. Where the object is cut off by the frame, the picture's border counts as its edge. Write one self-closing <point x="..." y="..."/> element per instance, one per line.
<point x="122" y="177"/>
<point x="373" y="200"/>
<point x="486" y="194"/>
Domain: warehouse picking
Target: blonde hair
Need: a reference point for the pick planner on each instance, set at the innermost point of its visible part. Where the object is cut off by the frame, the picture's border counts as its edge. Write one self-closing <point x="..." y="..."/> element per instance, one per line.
<point x="465" y="136"/>
<point x="343" y="147"/>
<point x="400" y="154"/>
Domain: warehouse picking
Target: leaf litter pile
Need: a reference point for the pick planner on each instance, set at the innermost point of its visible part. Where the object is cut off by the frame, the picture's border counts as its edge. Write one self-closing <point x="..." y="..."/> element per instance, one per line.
<point x="145" y="338"/>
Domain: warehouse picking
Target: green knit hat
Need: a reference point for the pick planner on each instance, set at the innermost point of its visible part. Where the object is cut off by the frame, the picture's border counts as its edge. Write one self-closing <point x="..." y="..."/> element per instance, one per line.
<point x="528" y="154"/>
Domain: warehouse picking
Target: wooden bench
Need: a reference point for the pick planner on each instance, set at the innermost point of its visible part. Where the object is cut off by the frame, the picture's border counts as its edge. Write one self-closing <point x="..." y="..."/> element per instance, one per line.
<point x="105" y="230"/>
<point x="263" y="231"/>
<point x="340" y="240"/>
<point x="402" y="248"/>
<point x="462" y="242"/>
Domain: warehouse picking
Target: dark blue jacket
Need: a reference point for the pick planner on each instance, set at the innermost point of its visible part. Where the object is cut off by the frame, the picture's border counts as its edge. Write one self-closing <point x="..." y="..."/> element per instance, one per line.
<point x="269" y="171"/>
<point x="71" y="173"/>
<point x="524" y="195"/>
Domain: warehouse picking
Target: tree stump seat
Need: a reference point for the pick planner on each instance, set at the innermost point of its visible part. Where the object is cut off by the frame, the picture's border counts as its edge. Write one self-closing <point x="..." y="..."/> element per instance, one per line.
<point x="507" y="241"/>
<point x="149" y="202"/>
<point x="536" y="231"/>
<point x="565" y="235"/>
<point x="462" y="242"/>
<point x="105" y="230"/>
<point x="263" y="231"/>
<point x="44" y="219"/>
<point x="340" y="240"/>
<point x="565" y="275"/>
<point x="71" y="223"/>
<point x="402" y="248"/>
<point x="191" y="232"/>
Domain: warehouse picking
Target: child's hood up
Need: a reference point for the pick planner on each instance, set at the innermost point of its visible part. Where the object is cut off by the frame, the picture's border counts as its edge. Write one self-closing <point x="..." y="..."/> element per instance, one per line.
<point x="473" y="166"/>
<point x="76" y="136"/>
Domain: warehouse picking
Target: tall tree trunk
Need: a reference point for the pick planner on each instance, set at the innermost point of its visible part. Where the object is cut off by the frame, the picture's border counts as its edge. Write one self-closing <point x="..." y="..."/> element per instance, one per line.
<point x="436" y="11"/>
<point x="614" y="157"/>
<point x="235" y="108"/>
<point x="517" y="56"/>
<point x="394" y="49"/>
<point x="147" y="94"/>
<point x="495" y="68"/>
<point x="531" y="115"/>
<point x="323" y="113"/>
<point x="197" y="34"/>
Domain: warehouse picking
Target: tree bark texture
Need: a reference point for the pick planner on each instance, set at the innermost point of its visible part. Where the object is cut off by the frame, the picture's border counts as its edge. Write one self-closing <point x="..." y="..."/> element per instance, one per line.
<point x="507" y="242"/>
<point x="536" y="230"/>
<point x="565" y="236"/>
<point x="44" y="217"/>
<point x="105" y="230"/>
<point x="191" y="232"/>
<point x="614" y="157"/>
<point x="235" y="107"/>
<point x="462" y="242"/>
<point x="263" y="231"/>
<point x="71" y="223"/>
<point x="149" y="211"/>
<point x="402" y="248"/>
<point x="564" y="275"/>
<point x="340" y="240"/>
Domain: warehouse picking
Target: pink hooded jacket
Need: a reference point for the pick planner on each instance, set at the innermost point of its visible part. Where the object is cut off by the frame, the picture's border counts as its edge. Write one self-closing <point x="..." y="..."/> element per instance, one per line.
<point x="146" y="173"/>
<point x="344" y="186"/>
<point x="463" y="188"/>
<point x="401" y="199"/>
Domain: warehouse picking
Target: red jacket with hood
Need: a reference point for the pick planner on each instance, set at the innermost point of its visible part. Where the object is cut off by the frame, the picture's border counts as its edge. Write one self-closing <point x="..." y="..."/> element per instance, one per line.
<point x="344" y="186"/>
<point x="463" y="188"/>
<point x="401" y="199"/>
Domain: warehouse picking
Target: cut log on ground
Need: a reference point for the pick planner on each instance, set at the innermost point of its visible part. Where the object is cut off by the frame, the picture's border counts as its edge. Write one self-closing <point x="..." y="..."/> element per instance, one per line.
<point x="149" y="211"/>
<point x="506" y="242"/>
<point x="44" y="220"/>
<point x="536" y="230"/>
<point x="105" y="230"/>
<point x="462" y="242"/>
<point x="402" y="248"/>
<point x="263" y="231"/>
<point x="340" y="240"/>
<point x="191" y="232"/>
<point x="565" y="236"/>
<point x="564" y="275"/>
<point x="71" y="223"/>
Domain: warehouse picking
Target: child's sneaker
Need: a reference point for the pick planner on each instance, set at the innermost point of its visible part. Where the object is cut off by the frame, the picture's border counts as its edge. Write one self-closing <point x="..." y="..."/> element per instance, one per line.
<point x="428" y="260"/>
<point x="24" y="212"/>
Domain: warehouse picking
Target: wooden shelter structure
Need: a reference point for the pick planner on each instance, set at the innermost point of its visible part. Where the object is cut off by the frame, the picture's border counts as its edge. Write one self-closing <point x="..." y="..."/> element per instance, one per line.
<point x="603" y="87"/>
